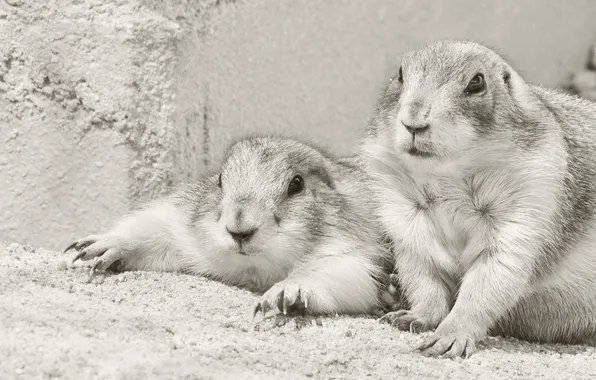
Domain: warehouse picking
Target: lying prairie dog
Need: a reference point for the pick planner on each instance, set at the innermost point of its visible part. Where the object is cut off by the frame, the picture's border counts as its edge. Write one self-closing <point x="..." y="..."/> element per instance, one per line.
<point x="281" y="217"/>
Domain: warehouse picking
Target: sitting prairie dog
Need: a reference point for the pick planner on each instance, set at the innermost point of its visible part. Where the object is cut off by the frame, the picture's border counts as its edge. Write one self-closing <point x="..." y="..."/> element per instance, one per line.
<point x="487" y="185"/>
<point x="281" y="217"/>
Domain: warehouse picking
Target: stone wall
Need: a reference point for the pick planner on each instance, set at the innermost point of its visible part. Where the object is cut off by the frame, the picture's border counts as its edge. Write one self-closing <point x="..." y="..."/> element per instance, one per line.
<point x="105" y="103"/>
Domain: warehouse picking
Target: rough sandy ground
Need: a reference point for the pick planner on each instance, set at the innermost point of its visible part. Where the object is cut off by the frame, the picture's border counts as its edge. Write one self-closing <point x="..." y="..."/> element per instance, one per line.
<point x="164" y="326"/>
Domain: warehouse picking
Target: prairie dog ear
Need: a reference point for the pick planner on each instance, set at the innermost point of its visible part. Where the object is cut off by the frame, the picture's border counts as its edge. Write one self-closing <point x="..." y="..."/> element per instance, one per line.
<point x="506" y="77"/>
<point x="515" y="84"/>
<point x="322" y="174"/>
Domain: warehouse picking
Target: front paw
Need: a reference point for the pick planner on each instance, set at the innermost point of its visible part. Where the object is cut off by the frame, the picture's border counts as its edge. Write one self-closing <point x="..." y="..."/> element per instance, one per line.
<point x="407" y="320"/>
<point x="105" y="250"/>
<point x="449" y="341"/>
<point x="287" y="297"/>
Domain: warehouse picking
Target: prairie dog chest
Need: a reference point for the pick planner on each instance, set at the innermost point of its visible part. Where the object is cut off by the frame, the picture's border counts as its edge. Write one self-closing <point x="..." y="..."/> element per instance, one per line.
<point x="438" y="205"/>
<point x="459" y="209"/>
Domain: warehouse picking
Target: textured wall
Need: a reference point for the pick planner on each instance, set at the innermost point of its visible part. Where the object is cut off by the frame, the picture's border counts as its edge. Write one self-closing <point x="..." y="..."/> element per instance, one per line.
<point x="317" y="66"/>
<point x="103" y="103"/>
<point x="86" y="101"/>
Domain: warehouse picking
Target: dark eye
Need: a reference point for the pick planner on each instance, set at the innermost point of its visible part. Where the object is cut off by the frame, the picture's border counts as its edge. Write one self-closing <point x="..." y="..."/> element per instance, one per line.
<point x="296" y="185"/>
<point x="219" y="181"/>
<point x="400" y="75"/>
<point x="476" y="85"/>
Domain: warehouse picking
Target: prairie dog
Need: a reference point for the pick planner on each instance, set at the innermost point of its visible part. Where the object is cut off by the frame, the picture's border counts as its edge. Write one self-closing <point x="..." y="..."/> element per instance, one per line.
<point x="281" y="217"/>
<point x="487" y="186"/>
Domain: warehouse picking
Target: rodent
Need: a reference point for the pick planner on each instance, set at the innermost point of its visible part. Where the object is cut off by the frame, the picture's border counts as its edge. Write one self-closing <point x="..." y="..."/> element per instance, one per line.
<point x="487" y="186"/>
<point x="282" y="217"/>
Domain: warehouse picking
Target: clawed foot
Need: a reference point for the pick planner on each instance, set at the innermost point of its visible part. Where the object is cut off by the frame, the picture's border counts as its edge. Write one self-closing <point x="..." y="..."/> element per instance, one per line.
<point x="98" y="247"/>
<point x="287" y="297"/>
<point x="449" y="345"/>
<point x="407" y="320"/>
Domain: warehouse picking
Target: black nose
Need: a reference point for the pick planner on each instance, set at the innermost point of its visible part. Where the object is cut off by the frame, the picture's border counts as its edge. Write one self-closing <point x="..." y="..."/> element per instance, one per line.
<point x="416" y="128"/>
<point x="242" y="236"/>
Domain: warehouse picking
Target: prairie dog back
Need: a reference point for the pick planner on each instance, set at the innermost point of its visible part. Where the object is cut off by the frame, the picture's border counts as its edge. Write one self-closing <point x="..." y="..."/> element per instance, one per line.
<point x="281" y="218"/>
<point x="486" y="185"/>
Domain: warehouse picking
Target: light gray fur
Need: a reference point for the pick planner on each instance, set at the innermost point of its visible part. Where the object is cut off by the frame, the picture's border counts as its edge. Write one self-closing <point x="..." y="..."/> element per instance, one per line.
<point x="319" y="248"/>
<point x="495" y="231"/>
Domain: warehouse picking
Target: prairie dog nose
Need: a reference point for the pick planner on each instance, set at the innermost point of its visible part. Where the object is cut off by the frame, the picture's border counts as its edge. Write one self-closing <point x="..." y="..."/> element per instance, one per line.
<point x="415" y="127"/>
<point x="414" y="116"/>
<point x="241" y="235"/>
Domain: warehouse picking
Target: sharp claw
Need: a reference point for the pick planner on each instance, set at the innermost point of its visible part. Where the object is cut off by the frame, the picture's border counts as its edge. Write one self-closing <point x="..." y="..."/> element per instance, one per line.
<point x="285" y="306"/>
<point x="95" y="265"/>
<point x="257" y="309"/>
<point x="425" y="345"/>
<point x="280" y="301"/>
<point x="264" y="307"/>
<point x="79" y="255"/>
<point x="71" y="246"/>
<point x="469" y="350"/>
<point x="304" y="298"/>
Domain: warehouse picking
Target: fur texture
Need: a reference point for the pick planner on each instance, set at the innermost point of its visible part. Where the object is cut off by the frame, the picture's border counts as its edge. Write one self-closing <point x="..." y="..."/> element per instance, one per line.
<point x="491" y="205"/>
<point x="316" y="250"/>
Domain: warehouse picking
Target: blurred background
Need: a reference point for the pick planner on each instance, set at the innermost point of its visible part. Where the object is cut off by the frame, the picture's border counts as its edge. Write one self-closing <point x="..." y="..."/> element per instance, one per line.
<point x="107" y="103"/>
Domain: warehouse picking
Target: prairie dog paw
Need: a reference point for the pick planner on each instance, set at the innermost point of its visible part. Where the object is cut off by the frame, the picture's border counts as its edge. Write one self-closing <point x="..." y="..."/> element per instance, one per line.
<point x="407" y="320"/>
<point x="287" y="297"/>
<point x="451" y="340"/>
<point x="105" y="250"/>
<point x="449" y="345"/>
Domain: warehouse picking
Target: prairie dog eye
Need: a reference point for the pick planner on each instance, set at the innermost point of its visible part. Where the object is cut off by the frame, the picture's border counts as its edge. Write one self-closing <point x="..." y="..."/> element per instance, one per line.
<point x="476" y="85"/>
<point x="296" y="185"/>
<point x="219" y="181"/>
<point x="400" y="75"/>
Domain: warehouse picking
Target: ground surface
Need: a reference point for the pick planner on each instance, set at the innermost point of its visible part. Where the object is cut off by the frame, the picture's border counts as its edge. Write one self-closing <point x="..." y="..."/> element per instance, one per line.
<point x="165" y="326"/>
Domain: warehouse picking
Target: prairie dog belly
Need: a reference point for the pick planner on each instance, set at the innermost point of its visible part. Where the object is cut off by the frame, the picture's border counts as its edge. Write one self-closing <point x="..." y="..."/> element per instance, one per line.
<point x="575" y="269"/>
<point x="560" y="306"/>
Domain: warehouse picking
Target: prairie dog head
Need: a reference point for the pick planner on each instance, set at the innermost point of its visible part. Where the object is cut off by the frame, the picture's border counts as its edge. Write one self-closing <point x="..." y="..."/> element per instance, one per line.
<point x="272" y="199"/>
<point x="445" y="100"/>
